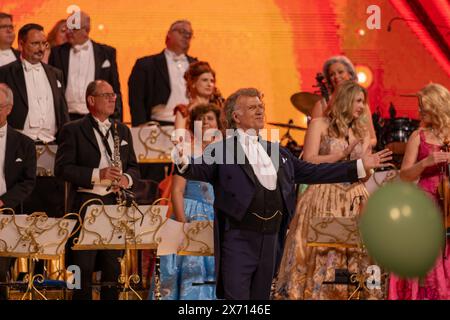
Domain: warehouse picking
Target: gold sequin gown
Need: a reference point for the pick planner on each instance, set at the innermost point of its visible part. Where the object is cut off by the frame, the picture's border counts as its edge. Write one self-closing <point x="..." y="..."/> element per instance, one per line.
<point x="303" y="269"/>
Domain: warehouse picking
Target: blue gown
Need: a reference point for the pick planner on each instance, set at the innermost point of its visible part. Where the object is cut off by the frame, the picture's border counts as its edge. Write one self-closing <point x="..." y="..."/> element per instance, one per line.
<point x="178" y="273"/>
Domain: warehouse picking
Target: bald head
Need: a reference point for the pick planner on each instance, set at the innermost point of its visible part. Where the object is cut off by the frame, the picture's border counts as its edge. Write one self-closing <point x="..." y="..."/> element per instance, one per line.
<point x="100" y="99"/>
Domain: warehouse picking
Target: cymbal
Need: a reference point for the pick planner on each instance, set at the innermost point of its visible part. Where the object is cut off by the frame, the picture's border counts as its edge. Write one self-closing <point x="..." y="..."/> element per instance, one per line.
<point x="305" y="101"/>
<point x="287" y="125"/>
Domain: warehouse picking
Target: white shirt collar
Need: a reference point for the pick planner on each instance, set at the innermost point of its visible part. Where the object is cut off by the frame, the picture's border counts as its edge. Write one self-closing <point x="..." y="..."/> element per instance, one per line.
<point x="173" y="56"/>
<point x="3" y="130"/>
<point x="85" y="46"/>
<point x="105" y="124"/>
<point x="6" y="52"/>
<point x="28" y="66"/>
<point x="244" y="137"/>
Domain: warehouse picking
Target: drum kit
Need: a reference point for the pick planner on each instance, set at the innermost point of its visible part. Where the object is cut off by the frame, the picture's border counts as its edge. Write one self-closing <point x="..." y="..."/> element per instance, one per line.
<point x="303" y="102"/>
<point x="392" y="132"/>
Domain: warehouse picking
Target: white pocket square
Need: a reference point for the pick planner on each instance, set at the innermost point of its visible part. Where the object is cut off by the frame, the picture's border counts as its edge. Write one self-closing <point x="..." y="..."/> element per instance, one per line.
<point x="19" y="160"/>
<point x="58" y="84"/>
<point x="284" y="159"/>
<point x="123" y="143"/>
<point x="106" y="64"/>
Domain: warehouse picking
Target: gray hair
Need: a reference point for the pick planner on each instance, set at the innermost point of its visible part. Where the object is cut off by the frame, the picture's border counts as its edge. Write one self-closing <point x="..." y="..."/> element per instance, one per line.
<point x="8" y="94"/>
<point x="347" y="64"/>
<point x="230" y="103"/>
<point x="172" y="26"/>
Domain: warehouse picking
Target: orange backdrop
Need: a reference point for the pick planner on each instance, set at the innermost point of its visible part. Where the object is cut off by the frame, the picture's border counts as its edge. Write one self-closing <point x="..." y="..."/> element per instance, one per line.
<point x="275" y="45"/>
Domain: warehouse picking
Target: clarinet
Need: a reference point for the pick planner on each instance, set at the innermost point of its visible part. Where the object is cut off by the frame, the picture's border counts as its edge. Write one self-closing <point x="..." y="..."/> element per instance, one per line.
<point x="115" y="159"/>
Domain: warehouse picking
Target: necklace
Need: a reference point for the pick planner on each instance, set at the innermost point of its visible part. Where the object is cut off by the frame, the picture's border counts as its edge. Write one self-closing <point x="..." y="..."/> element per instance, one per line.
<point x="443" y="141"/>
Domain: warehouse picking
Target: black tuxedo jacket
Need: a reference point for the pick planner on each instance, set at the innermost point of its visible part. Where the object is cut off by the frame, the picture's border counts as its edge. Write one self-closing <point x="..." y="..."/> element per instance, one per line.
<point x="13" y="75"/>
<point x="79" y="154"/>
<point x="148" y="86"/>
<point x="59" y="58"/>
<point x="234" y="184"/>
<point x="20" y="168"/>
<point x="16" y="53"/>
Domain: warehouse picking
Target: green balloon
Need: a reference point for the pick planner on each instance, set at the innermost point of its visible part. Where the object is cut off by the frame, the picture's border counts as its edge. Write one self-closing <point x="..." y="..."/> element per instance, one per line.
<point x="402" y="229"/>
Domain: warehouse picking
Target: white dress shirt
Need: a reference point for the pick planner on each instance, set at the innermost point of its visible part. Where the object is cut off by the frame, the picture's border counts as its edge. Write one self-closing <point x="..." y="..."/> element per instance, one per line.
<point x="81" y="73"/>
<point x="177" y="66"/>
<point x="2" y="159"/>
<point x="100" y="186"/>
<point x="40" y="122"/>
<point x="6" y="56"/>
<point x="259" y="160"/>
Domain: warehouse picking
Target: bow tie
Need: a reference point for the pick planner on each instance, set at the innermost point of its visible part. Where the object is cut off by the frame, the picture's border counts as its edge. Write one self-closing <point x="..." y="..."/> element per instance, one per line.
<point x="178" y="58"/>
<point x="4" y="52"/>
<point x="104" y="126"/>
<point x="78" y="48"/>
<point x="30" y="67"/>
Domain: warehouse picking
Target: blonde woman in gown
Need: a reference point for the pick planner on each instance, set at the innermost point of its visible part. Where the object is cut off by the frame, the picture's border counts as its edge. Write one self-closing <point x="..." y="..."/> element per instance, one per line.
<point x="341" y="135"/>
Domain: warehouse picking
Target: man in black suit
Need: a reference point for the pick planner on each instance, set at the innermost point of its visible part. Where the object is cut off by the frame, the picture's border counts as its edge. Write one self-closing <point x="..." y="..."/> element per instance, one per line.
<point x="39" y="111"/>
<point x="254" y="186"/>
<point x="156" y="84"/>
<point x="85" y="159"/>
<point x="7" y="36"/>
<point x="18" y="169"/>
<point x="82" y="61"/>
<point x="40" y="108"/>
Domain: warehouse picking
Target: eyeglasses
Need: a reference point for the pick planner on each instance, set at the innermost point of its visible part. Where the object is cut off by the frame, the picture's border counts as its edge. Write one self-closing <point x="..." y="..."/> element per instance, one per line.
<point x="39" y="43"/>
<point x="7" y="27"/>
<point x="184" y="33"/>
<point x="109" y="95"/>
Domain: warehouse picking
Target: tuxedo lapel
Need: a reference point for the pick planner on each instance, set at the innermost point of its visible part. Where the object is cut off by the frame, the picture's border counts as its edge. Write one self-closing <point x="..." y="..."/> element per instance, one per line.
<point x="161" y="64"/>
<point x="65" y="56"/>
<point x="239" y="155"/>
<point x="190" y="59"/>
<point x="16" y="53"/>
<point x="19" y="79"/>
<point x="11" y="146"/>
<point x="51" y="76"/>
<point x="98" y="60"/>
<point x="88" y="131"/>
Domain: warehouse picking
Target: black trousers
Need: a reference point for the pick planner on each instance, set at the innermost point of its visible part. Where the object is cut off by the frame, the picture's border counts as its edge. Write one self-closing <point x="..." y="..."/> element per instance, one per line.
<point x="106" y="261"/>
<point x="247" y="264"/>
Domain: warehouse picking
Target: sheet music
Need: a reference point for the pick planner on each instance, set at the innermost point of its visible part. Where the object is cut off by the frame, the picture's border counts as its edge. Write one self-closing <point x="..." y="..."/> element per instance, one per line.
<point x="21" y="235"/>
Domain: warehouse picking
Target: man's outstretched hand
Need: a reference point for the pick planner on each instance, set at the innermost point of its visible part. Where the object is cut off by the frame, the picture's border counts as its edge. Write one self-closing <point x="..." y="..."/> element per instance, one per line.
<point x="376" y="160"/>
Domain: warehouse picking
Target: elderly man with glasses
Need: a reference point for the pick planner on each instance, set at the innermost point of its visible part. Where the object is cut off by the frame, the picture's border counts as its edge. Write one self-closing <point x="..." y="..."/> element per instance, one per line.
<point x="86" y="159"/>
<point x="156" y="84"/>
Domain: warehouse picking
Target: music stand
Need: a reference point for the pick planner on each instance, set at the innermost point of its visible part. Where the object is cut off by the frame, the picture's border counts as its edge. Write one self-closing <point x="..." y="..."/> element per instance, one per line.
<point x="34" y="237"/>
<point x="152" y="142"/>
<point x="118" y="227"/>
<point x="339" y="232"/>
